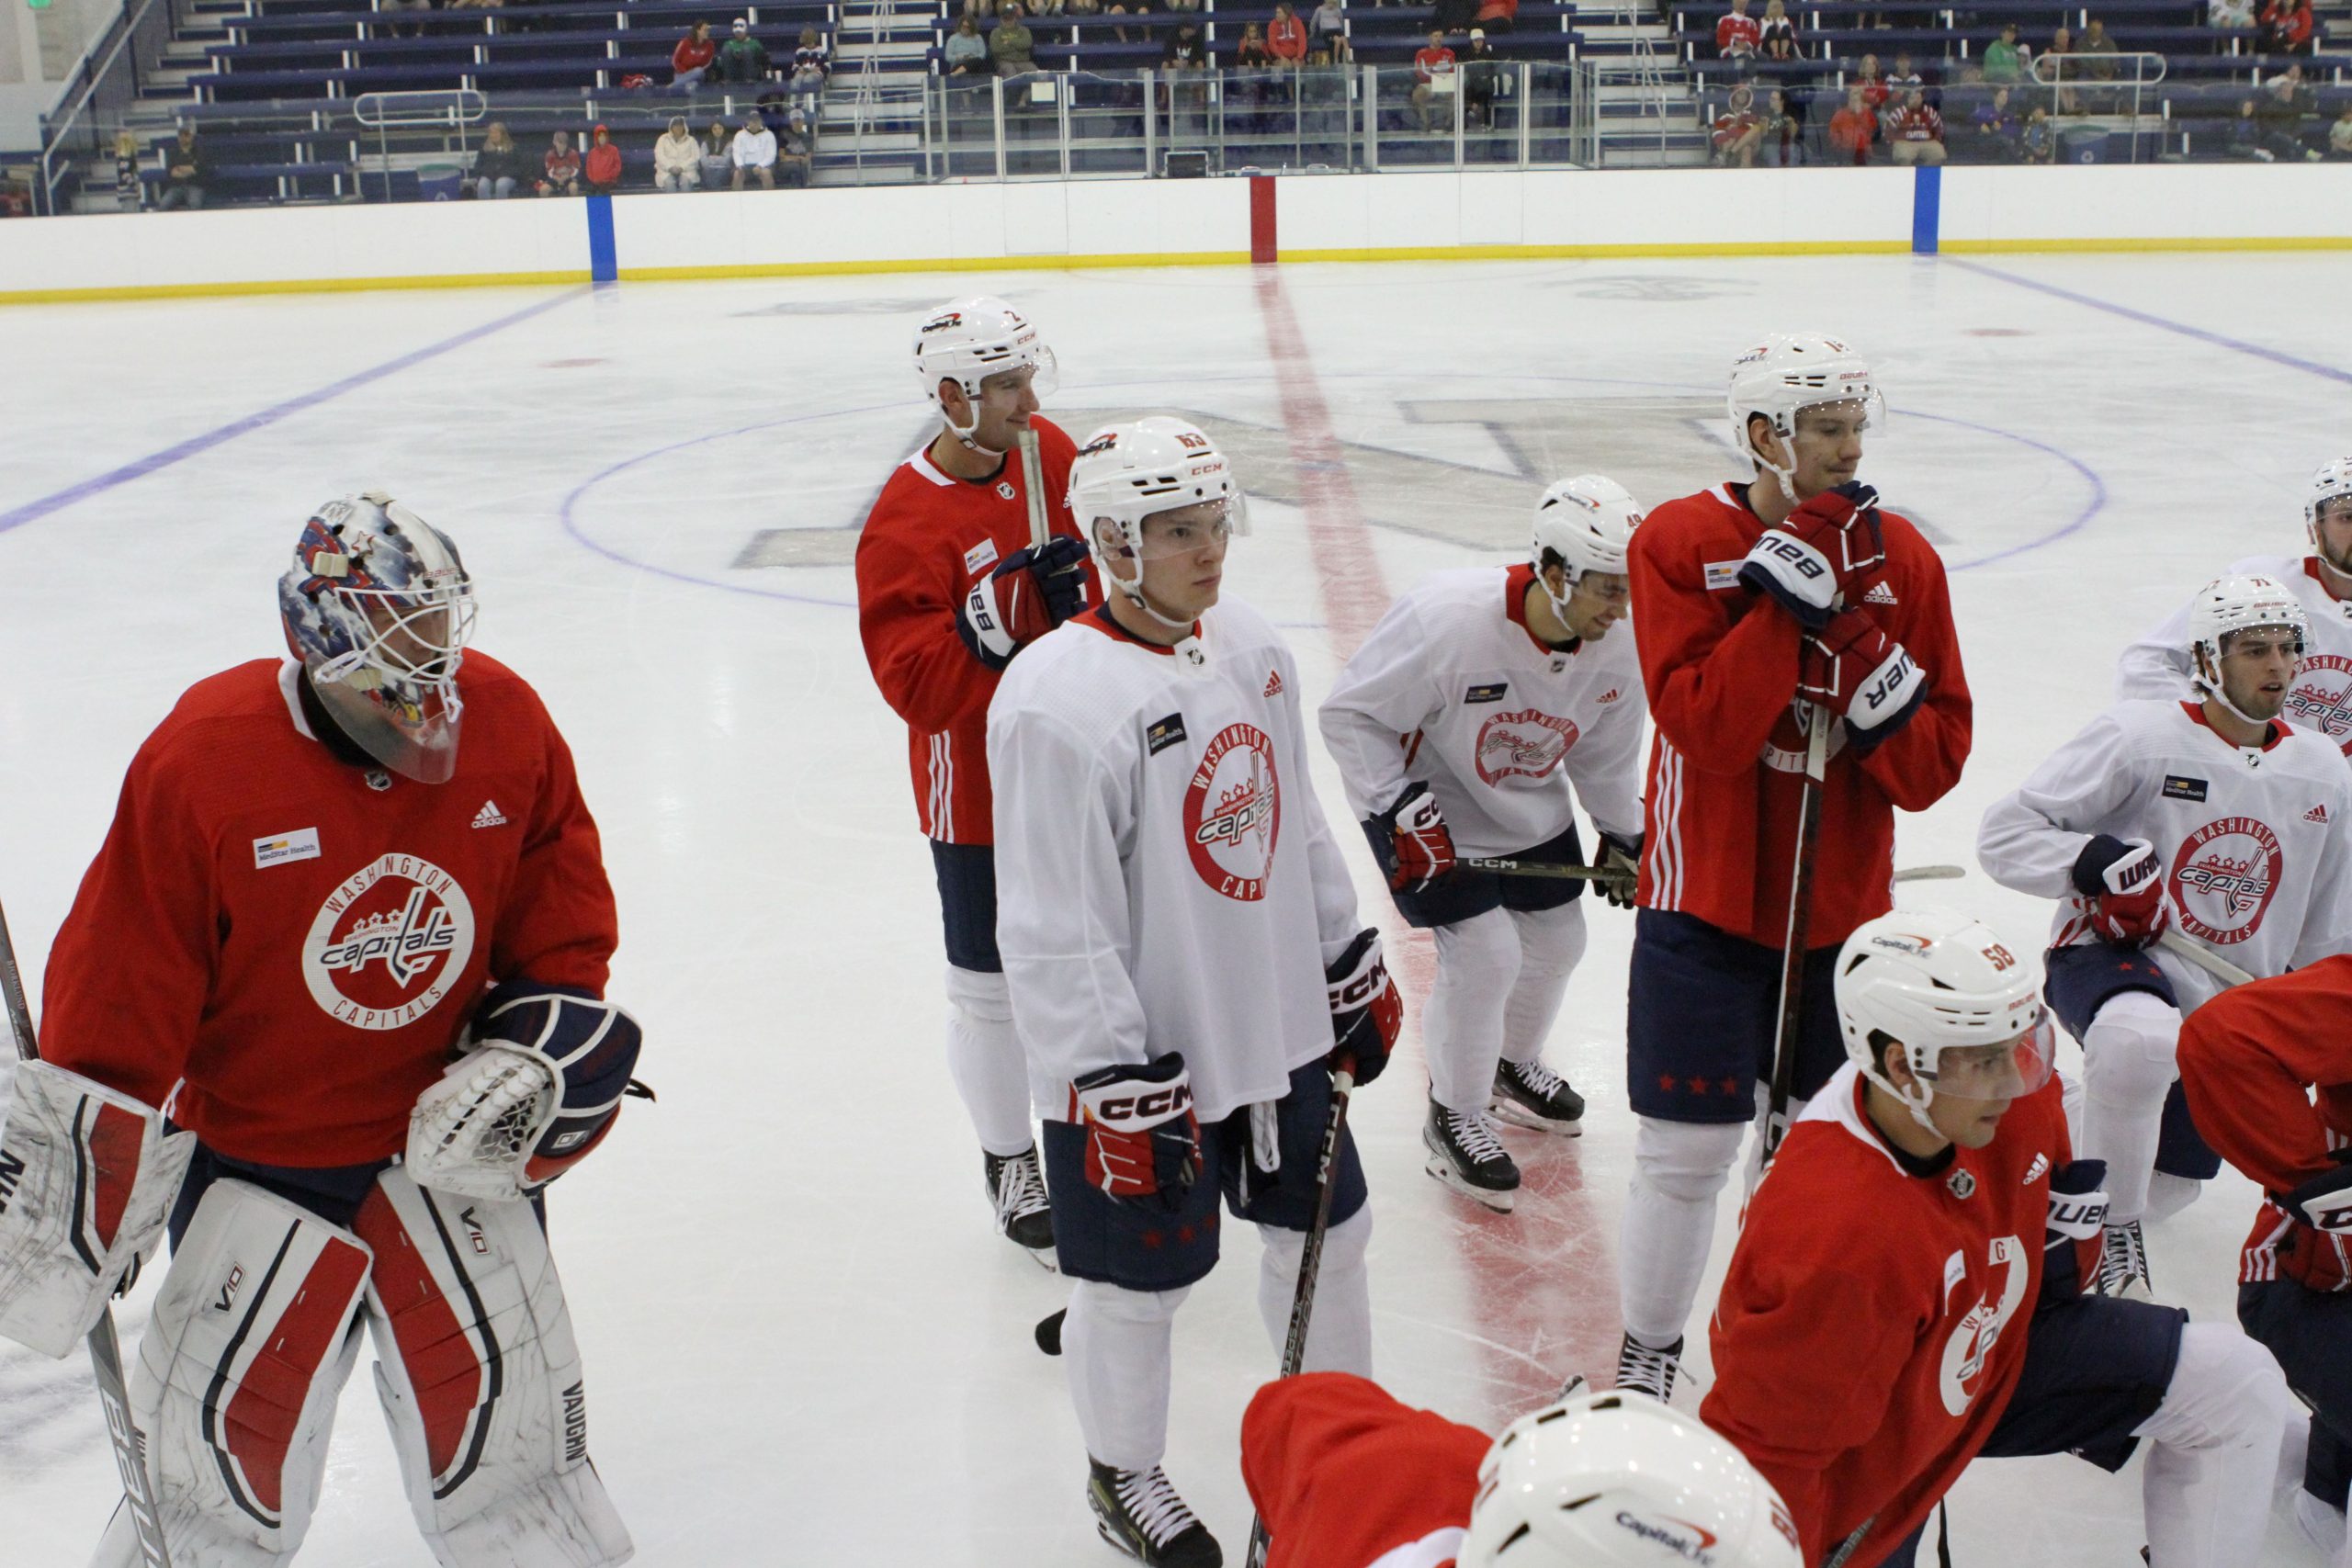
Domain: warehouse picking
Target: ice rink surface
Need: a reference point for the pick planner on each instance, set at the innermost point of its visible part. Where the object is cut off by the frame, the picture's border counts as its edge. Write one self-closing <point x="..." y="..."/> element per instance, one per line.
<point x="805" y="1344"/>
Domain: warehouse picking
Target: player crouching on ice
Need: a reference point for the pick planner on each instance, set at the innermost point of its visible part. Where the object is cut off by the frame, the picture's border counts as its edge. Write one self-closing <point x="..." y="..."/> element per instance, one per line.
<point x="327" y="886"/>
<point x="1505" y="686"/>
<point x="1187" y="966"/>
<point x="1905" y="1295"/>
<point x="1347" y="1477"/>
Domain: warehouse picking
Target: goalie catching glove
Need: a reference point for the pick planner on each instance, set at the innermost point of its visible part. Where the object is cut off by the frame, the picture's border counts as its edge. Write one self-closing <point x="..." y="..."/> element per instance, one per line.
<point x="1366" y="1012"/>
<point x="87" y="1178"/>
<point x="542" y="1075"/>
<point x="1143" y="1143"/>
<point x="1030" y="592"/>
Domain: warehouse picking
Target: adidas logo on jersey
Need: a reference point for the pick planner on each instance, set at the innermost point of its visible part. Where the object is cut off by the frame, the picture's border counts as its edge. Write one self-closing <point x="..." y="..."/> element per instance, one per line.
<point x="2317" y="813"/>
<point x="1607" y="697"/>
<point x="489" y="816"/>
<point x="1274" y="683"/>
<point x="1880" y="593"/>
<point x="2034" y="1172"/>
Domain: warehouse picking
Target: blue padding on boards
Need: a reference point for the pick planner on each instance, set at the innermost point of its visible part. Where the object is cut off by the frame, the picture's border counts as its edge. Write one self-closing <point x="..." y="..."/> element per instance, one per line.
<point x="602" y="265"/>
<point x="1927" y="205"/>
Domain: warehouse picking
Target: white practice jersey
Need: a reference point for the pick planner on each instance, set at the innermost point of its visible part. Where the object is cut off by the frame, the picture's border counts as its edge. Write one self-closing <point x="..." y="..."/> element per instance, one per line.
<point x="1453" y="689"/>
<point x="2252" y="839"/>
<point x="1165" y="878"/>
<point x="2321" y="696"/>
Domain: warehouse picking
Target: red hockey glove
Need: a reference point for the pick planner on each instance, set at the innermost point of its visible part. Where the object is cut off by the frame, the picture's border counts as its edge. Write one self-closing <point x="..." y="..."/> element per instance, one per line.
<point x="1366" y="1012"/>
<point x="2124" y="881"/>
<point x="1862" y="675"/>
<point x="1029" y="594"/>
<point x="1143" y="1143"/>
<point x="1822" y="552"/>
<point x="1421" y="846"/>
<point x="2076" y="1227"/>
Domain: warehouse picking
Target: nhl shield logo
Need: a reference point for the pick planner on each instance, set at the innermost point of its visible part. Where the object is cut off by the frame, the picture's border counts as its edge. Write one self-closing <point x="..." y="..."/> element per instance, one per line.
<point x="1233" y="813"/>
<point x="389" y="943"/>
<point x="2223" y="878"/>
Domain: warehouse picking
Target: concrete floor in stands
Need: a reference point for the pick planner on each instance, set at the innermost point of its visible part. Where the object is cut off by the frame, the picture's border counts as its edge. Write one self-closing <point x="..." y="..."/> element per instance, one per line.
<point x="805" y="1343"/>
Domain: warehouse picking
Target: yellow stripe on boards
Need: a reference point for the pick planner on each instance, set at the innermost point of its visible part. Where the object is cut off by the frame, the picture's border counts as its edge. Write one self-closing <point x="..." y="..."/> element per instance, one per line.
<point x="289" y="285"/>
<point x="1571" y="253"/>
<point x="2187" y="243"/>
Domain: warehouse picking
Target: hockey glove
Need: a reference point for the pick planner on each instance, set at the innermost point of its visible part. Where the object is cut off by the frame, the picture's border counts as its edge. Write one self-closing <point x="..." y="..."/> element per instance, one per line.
<point x="1366" y="1012"/>
<point x="1622" y="860"/>
<point x="1822" y="552"/>
<point x="2076" y="1228"/>
<point x="1862" y="675"/>
<point x="1029" y="594"/>
<point x="1420" y="846"/>
<point x="1143" y="1143"/>
<point x="2325" y="1202"/>
<point x="2123" y="880"/>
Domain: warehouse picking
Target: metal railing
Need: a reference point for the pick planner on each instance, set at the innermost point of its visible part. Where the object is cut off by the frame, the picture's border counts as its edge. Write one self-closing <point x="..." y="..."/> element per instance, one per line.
<point x="449" y="112"/>
<point x="2078" y="84"/>
<point x="110" y="73"/>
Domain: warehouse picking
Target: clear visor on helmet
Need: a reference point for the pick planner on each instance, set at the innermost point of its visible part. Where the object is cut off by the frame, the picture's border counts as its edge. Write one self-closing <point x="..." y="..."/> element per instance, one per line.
<point x="395" y="691"/>
<point x="1870" y="408"/>
<point x="1041" y="374"/>
<point x="1183" y="530"/>
<point x="2009" y="1070"/>
<point x="2260" y="641"/>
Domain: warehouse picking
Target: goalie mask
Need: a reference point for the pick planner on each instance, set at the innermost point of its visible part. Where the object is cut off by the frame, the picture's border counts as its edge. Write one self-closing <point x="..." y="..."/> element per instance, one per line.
<point x="1787" y="374"/>
<point x="1586" y="524"/>
<point x="1965" y="1007"/>
<point x="379" y="608"/>
<point x="969" y="341"/>
<point x="1128" y="472"/>
<point x="2226" y="606"/>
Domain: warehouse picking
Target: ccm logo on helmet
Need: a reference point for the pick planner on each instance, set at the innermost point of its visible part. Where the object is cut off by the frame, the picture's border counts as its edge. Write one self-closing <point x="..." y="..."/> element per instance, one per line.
<point x="1680" y="1537"/>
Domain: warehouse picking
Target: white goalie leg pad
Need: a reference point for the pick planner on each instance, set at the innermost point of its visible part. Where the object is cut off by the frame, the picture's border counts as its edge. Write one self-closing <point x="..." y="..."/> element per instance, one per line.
<point x="2129" y="1056"/>
<point x="482" y="1384"/>
<point x="1339" y="1332"/>
<point x="1670" y="1226"/>
<point x="2207" y="1488"/>
<point x="1551" y="944"/>
<point x="1461" y="1028"/>
<point x="1115" y="1350"/>
<point x="88" y="1177"/>
<point x="984" y="1058"/>
<point x="254" y="1335"/>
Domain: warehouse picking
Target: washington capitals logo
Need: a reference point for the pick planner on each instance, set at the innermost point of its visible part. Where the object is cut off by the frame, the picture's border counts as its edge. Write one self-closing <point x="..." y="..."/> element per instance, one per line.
<point x="2223" y="877"/>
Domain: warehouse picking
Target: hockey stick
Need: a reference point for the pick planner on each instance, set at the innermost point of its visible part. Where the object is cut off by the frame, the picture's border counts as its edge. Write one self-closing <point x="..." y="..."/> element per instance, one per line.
<point x="106" y="1351"/>
<point x="1502" y="866"/>
<point x="1310" y="1260"/>
<point x="2193" y="952"/>
<point x="1785" y="1038"/>
<point x="1032" y="485"/>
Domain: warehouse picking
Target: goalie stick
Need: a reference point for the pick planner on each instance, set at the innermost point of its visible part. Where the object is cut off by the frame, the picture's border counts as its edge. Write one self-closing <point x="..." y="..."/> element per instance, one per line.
<point x="105" y="1352"/>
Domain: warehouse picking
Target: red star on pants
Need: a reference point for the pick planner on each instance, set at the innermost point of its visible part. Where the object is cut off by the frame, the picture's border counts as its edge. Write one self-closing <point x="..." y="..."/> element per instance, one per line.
<point x="1185" y="1234"/>
<point x="1731" y="1086"/>
<point x="1697" y="1086"/>
<point x="1153" y="1240"/>
<point x="1667" y="1081"/>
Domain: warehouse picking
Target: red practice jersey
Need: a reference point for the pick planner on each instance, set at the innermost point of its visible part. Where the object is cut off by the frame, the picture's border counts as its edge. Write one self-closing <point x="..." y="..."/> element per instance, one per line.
<point x="1873" y="1322"/>
<point x="928" y="540"/>
<point x="2267" y="1068"/>
<point x="1346" y="1477"/>
<point x="297" y="942"/>
<point x="1720" y="664"/>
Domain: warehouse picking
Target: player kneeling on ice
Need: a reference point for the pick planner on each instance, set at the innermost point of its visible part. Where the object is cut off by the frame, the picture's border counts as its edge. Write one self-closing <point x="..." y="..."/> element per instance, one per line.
<point x="1186" y="962"/>
<point x="1905" y="1295"/>
<point x="327" y="886"/>
<point x="2210" y="819"/>
<point x="1346" y="1477"/>
<point x="1505" y="688"/>
<point x="2268" y="1071"/>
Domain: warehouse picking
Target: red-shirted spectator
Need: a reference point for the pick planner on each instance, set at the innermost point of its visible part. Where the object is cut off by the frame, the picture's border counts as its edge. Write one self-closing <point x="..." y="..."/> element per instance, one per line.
<point x="691" y="58"/>
<point x="1286" y="37"/>
<point x="1431" y="66"/>
<point x="1779" y="34"/>
<point x="1497" y="16"/>
<point x="2285" y="28"/>
<point x="1853" y="127"/>
<point x="1873" y="85"/>
<point x="1919" y="133"/>
<point x="602" y="165"/>
<point x="1737" y="132"/>
<point x="1736" y="35"/>
<point x="560" y="167"/>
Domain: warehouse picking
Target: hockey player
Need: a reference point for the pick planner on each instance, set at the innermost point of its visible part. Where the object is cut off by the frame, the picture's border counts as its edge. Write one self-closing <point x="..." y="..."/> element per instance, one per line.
<point x="1906" y="1295"/>
<point x="1755" y="606"/>
<point x="357" y="939"/>
<point x="1180" y="936"/>
<point x="1458" y="727"/>
<point x="2269" y="1070"/>
<point x="1346" y="1477"/>
<point x="949" y="589"/>
<point x="2212" y="815"/>
<point x="2320" y="698"/>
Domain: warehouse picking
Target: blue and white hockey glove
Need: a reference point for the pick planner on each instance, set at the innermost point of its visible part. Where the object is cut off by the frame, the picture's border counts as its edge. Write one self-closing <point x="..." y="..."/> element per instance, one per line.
<point x="1814" y="561"/>
<point x="1029" y="594"/>
<point x="1864" y="676"/>
<point x="2073" y="1232"/>
<point x="1366" y="1012"/>
<point x="2325" y="1202"/>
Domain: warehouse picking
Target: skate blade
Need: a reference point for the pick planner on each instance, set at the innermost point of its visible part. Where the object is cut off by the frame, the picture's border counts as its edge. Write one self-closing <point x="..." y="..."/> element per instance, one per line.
<point x="1438" y="1166"/>
<point x="1046" y="1258"/>
<point x="1518" y="1116"/>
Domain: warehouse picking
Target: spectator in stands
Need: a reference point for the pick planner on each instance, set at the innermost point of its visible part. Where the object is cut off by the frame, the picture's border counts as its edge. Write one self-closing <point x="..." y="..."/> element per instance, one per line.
<point x="1127" y="7"/>
<point x="980" y="8"/>
<point x="2063" y="70"/>
<point x="1328" y="28"/>
<point x="559" y="167"/>
<point x="2004" y="62"/>
<point x="1251" y="54"/>
<point x="1903" y="77"/>
<point x="1482" y="71"/>
<point x="2244" y="139"/>
<point x="968" y="51"/>
<point x="810" y="66"/>
<point x="1997" y="127"/>
<point x="1736" y="35"/>
<point x="2097" y="52"/>
<point x="1186" y="49"/>
<point x="2231" y="13"/>
<point x="472" y="4"/>
<point x="1873" y="86"/>
<point x="130" y="191"/>
<point x="1011" y="47"/>
<point x="2287" y="100"/>
<point x="1776" y="41"/>
<point x="690" y="62"/>
<point x="753" y="152"/>
<point x="1918" y="131"/>
<point x="1286" y="37"/>
<point x="187" y="174"/>
<point x="1853" y="127"/>
<point x="602" y="167"/>
<point x="499" y="166"/>
<point x="2285" y="28"/>
<point x="1783" y="133"/>
<point x="717" y="155"/>
<point x="677" y="158"/>
<point x="742" y="58"/>
<point x="1433" y="65"/>
<point x="410" y="8"/>
<point x="1496" y="16"/>
<point x="2038" y="143"/>
<point x="1738" y="133"/>
<point x="2339" y="135"/>
<point x="795" y="150"/>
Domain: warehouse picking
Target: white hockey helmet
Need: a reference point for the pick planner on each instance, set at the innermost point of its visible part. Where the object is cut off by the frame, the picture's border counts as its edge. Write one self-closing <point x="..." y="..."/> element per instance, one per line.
<point x="1788" y="373"/>
<point x="1617" y="1480"/>
<point x="1130" y="471"/>
<point x="1943" y="982"/>
<point x="2226" y="606"/>
<point x="2332" y="482"/>
<point x="968" y="341"/>
<point x="1588" y="521"/>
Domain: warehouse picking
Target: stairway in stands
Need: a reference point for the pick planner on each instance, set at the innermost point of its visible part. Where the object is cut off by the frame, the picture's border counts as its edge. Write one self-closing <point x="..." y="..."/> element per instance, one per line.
<point x="1649" y="104"/>
<point x="872" y="132"/>
<point x="164" y="92"/>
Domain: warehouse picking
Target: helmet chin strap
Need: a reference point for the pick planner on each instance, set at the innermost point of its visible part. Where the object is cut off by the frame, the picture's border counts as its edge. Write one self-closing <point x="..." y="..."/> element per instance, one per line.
<point x="964" y="433"/>
<point x="2213" y="688"/>
<point x="1133" y="591"/>
<point x="1786" y="477"/>
<point x="1918" y="1106"/>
